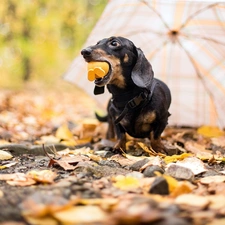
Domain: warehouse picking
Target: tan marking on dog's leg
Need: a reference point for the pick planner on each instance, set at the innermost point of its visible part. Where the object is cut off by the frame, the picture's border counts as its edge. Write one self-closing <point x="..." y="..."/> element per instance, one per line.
<point x="157" y="144"/>
<point x="121" y="144"/>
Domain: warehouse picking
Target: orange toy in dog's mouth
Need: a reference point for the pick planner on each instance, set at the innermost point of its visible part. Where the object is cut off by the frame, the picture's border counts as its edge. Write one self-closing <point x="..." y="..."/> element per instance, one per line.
<point x="97" y="70"/>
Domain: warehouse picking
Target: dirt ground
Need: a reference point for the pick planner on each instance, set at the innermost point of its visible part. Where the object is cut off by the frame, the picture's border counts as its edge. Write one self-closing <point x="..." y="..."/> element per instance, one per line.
<point x="56" y="167"/>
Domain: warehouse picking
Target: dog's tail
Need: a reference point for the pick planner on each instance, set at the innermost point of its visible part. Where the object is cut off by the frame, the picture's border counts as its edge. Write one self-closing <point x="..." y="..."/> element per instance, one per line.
<point x="101" y="118"/>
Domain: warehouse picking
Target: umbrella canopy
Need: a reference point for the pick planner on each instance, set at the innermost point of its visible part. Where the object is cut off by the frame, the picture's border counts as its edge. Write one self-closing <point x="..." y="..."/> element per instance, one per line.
<point x="185" y="44"/>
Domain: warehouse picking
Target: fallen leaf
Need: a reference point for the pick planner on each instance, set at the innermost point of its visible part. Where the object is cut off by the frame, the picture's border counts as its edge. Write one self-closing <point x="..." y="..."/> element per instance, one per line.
<point x="182" y="187"/>
<point x="211" y="179"/>
<point x="149" y="150"/>
<point x="81" y="215"/>
<point x="43" y="176"/>
<point x="126" y="182"/>
<point x="210" y="131"/>
<point x="41" y="204"/>
<point x="17" y="179"/>
<point x="68" y="162"/>
<point x="4" y="155"/>
<point x="175" y="158"/>
<point x="192" y="202"/>
<point x="199" y="150"/>
<point x="173" y="183"/>
<point x="218" y="141"/>
<point x="63" y="133"/>
<point x="8" y="165"/>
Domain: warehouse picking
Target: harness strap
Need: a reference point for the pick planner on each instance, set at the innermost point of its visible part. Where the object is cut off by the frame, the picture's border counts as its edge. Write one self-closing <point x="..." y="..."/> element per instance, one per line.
<point x="136" y="101"/>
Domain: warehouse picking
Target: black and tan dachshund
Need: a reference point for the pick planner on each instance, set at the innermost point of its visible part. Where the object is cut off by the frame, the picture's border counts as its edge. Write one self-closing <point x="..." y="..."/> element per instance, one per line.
<point x="139" y="104"/>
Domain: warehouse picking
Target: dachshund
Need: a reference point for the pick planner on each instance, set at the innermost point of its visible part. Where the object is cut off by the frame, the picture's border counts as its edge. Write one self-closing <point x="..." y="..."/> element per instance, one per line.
<point x="140" y="103"/>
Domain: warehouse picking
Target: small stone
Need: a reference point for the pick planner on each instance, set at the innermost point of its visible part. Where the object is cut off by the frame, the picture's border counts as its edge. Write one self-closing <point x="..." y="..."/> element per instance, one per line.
<point x="137" y="165"/>
<point x="159" y="186"/>
<point x="150" y="171"/>
<point x="180" y="172"/>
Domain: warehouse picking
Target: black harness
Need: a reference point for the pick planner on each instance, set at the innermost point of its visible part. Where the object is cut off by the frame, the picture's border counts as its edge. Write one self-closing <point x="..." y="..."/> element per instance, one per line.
<point x="140" y="100"/>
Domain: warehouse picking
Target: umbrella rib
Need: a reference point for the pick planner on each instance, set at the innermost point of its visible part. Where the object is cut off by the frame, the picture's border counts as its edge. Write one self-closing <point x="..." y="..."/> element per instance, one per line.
<point x="195" y="67"/>
<point x="197" y="71"/>
<point x="205" y="38"/>
<point x="196" y="13"/>
<point x="157" y="13"/>
<point x="198" y="74"/>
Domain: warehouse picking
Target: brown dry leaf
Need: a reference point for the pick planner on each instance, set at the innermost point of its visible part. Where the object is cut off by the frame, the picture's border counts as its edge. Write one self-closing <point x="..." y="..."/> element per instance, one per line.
<point x="41" y="204"/>
<point x="219" y="141"/>
<point x="82" y="215"/>
<point x="126" y="183"/>
<point x="68" y="162"/>
<point x="175" y="158"/>
<point x="212" y="179"/>
<point x="199" y="150"/>
<point x="210" y="131"/>
<point x="194" y="164"/>
<point x="43" y="176"/>
<point x="17" y="179"/>
<point x="125" y="159"/>
<point x="192" y="202"/>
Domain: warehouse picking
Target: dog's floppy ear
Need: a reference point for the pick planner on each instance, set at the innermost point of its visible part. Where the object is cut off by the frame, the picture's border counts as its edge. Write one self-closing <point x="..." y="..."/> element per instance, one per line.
<point x="142" y="74"/>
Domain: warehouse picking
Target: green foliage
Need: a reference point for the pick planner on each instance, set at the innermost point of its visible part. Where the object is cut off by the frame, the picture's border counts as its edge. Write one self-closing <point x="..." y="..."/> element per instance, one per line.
<point x="39" y="38"/>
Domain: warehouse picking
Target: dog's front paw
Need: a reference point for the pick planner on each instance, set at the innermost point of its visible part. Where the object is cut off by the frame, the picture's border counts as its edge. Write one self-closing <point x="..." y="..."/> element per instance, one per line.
<point x="120" y="147"/>
<point x="158" y="146"/>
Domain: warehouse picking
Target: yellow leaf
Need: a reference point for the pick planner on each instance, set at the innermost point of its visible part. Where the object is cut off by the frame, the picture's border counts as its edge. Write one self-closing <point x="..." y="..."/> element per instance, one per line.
<point x="82" y="215"/>
<point x="64" y="133"/>
<point x="182" y="188"/>
<point x="175" y="158"/>
<point x="126" y="183"/>
<point x="149" y="150"/>
<point x="210" y="131"/>
<point x="172" y="182"/>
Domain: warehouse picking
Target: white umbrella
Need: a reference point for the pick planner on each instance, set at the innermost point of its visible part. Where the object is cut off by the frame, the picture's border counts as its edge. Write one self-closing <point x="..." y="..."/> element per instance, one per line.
<point x="185" y="43"/>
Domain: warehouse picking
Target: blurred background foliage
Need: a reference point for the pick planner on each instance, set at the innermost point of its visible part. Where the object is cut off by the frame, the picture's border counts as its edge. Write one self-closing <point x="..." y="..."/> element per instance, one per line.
<point x="40" y="38"/>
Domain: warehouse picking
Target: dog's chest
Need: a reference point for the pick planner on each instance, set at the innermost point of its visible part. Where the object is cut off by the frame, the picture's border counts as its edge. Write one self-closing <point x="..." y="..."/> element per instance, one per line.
<point x="138" y="125"/>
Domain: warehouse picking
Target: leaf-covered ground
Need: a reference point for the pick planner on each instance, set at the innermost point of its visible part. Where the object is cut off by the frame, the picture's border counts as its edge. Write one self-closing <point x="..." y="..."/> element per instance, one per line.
<point x="56" y="167"/>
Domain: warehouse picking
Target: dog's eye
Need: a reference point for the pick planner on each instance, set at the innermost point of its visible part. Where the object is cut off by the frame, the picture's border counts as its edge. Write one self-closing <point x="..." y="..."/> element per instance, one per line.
<point x="114" y="43"/>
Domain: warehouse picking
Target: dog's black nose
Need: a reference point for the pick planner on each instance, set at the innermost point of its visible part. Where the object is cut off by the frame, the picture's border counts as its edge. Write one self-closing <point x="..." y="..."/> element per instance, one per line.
<point x="86" y="52"/>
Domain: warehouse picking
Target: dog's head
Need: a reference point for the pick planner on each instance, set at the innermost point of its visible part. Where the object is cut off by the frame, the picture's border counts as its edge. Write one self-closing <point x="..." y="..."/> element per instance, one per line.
<point x="126" y="62"/>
